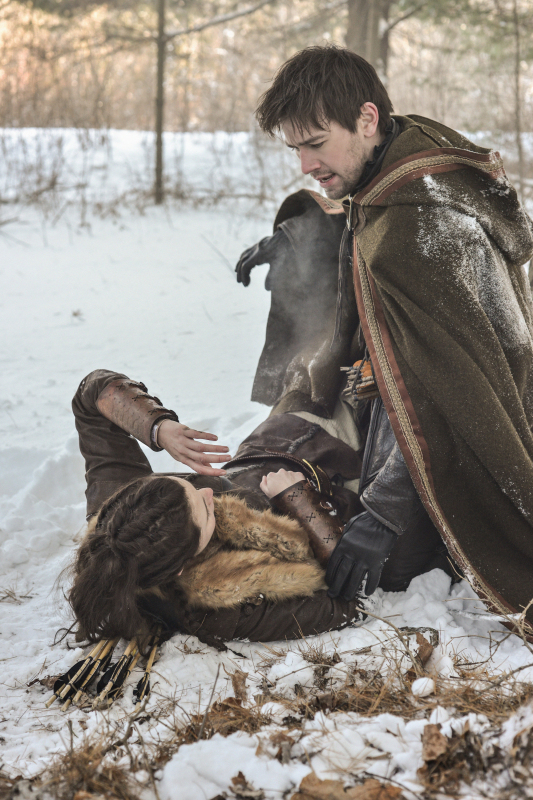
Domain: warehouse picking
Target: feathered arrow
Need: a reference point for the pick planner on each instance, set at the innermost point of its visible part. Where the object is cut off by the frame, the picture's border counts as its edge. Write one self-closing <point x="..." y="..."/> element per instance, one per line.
<point x="113" y="679"/>
<point x="142" y="689"/>
<point x="69" y="683"/>
<point x="99" y="665"/>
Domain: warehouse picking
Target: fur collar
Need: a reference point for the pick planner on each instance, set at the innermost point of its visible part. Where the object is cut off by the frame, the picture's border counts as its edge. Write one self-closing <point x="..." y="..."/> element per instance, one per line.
<point x="253" y="556"/>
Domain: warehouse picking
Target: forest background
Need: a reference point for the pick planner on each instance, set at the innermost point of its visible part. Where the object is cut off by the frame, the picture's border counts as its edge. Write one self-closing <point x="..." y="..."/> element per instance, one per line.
<point x="200" y="66"/>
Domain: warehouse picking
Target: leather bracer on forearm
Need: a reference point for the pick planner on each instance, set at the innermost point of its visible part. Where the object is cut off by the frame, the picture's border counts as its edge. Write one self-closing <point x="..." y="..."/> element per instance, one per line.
<point x="315" y="514"/>
<point x="128" y="405"/>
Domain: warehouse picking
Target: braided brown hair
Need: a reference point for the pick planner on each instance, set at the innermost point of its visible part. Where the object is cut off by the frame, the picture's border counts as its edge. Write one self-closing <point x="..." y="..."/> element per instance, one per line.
<point x="143" y="536"/>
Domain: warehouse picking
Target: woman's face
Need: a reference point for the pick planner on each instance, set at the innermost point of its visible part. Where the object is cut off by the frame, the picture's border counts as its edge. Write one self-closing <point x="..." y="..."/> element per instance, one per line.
<point x="203" y="511"/>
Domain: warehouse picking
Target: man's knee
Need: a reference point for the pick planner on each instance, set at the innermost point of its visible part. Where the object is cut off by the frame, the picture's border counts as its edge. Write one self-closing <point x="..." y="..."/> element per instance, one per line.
<point x="416" y="551"/>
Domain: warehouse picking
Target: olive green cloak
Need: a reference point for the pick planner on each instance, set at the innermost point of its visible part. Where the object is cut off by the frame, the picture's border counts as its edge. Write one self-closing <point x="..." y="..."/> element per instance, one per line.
<point x="445" y="304"/>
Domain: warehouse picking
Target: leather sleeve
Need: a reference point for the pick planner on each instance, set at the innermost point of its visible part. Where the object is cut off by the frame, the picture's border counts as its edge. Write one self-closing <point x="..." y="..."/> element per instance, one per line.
<point x="292" y="619"/>
<point x="391" y="497"/>
<point x="264" y="622"/>
<point x="112" y="456"/>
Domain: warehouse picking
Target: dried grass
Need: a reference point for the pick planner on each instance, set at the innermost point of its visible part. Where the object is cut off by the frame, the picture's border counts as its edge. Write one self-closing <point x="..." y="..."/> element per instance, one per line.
<point x="90" y="770"/>
<point x="86" y="770"/>
<point x="469" y="759"/>
<point x="370" y="692"/>
<point x="370" y="695"/>
<point x="6" y="786"/>
<point x="224" y="717"/>
<point x="97" y="768"/>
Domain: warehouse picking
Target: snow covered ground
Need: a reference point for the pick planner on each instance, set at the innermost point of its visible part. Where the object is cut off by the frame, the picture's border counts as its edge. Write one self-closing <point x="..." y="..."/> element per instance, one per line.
<point x="152" y="295"/>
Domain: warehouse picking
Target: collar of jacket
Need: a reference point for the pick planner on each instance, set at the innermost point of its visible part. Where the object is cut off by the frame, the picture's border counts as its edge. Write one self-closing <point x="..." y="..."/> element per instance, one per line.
<point x="372" y="168"/>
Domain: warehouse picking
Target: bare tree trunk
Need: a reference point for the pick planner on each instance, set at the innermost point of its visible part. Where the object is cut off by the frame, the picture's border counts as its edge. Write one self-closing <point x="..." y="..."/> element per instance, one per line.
<point x="363" y="32"/>
<point x="384" y="42"/>
<point x="160" y="102"/>
<point x="517" y="100"/>
<point x="359" y="19"/>
<point x="369" y="27"/>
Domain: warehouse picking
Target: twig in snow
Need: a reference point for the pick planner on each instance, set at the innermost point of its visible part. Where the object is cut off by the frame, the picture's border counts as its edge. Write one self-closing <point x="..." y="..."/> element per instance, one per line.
<point x="221" y="255"/>
<point x="209" y="704"/>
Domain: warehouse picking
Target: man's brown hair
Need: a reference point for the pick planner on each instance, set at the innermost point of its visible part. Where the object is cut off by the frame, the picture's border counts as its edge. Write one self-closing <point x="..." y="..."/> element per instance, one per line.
<point x="319" y="85"/>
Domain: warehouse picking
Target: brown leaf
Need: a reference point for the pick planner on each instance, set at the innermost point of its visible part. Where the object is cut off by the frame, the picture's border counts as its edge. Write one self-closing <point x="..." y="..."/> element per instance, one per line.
<point x="230" y="701"/>
<point x="280" y="737"/>
<point x="434" y="744"/>
<point x="239" y="779"/>
<point x="238" y="681"/>
<point x="327" y="700"/>
<point x="312" y="788"/>
<point x="411" y="675"/>
<point x="281" y="742"/>
<point x="372" y="789"/>
<point x="48" y="681"/>
<point x="243" y="790"/>
<point x="425" y="649"/>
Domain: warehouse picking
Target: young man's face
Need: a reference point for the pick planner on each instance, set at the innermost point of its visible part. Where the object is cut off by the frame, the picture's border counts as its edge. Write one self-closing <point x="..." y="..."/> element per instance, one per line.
<point x="335" y="157"/>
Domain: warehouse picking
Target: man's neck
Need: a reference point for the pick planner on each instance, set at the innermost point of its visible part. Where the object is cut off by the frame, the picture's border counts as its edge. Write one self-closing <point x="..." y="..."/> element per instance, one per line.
<point x="376" y="155"/>
<point x="373" y="142"/>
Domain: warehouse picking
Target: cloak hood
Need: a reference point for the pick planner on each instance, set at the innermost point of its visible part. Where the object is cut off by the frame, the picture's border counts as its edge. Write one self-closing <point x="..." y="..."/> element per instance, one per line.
<point x="480" y="190"/>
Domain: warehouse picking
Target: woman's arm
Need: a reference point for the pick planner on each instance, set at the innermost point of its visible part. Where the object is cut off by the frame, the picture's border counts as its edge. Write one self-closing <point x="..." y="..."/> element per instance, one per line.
<point x="109" y="410"/>
<point x="112" y="456"/>
<point x="265" y="622"/>
<point x="292" y="619"/>
<point x="290" y="493"/>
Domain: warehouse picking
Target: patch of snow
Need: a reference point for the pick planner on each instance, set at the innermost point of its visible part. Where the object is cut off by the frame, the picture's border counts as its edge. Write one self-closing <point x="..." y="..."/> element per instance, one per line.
<point x="423" y="687"/>
<point x="205" y="769"/>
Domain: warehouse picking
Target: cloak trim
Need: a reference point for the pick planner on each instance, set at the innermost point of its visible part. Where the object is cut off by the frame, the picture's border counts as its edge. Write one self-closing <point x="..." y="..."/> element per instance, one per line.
<point x="328" y="206"/>
<point x="408" y="431"/>
<point x="428" y="162"/>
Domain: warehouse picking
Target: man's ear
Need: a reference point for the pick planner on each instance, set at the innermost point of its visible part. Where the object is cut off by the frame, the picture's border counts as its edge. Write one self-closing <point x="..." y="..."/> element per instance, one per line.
<point x="369" y="119"/>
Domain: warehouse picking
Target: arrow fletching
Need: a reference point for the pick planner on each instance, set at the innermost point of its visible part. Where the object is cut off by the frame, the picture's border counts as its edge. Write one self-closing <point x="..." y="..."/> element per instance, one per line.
<point x="67" y="683"/>
<point x="142" y="689"/>
<point x="119" y="673"/>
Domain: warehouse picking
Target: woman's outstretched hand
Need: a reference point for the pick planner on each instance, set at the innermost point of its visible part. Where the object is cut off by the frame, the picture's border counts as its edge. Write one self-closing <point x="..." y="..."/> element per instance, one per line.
<point x="180" y="442"/>
<point x="275" y="482"/>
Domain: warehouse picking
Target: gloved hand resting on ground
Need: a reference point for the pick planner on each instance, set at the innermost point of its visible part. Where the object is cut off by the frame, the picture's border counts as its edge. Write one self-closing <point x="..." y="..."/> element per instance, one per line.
<point x="361" y="552"/>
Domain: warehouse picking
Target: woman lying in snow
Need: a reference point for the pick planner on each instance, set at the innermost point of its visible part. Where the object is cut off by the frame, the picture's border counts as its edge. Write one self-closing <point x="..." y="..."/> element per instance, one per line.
<point x="224" y="554"/>
<point x="223" y="558"/>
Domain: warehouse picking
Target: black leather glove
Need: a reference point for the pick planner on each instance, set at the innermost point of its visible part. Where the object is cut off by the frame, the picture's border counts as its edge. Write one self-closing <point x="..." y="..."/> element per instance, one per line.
<point x="365" y="546"/>
<point x="260" y="253"/>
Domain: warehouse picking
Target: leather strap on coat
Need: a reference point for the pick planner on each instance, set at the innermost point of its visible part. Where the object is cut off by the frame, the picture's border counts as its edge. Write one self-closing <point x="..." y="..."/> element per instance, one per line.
<point x="313" y="472"/>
